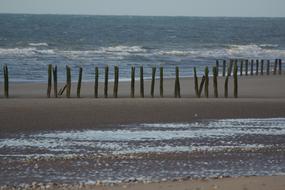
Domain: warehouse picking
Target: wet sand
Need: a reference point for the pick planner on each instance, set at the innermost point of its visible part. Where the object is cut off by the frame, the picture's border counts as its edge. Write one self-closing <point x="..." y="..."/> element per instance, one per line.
<point x="259" y="97"/>
<point x="27" y="109"/>
<point x="241" y="183"/>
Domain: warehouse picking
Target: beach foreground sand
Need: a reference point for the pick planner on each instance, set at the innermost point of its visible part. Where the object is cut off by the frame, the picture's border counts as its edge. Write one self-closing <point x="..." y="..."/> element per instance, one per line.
<point x="27" y="109"/>
<point x="236" y="183"/>
<point x="241" y="183"/>
<point x="259" y="97"/>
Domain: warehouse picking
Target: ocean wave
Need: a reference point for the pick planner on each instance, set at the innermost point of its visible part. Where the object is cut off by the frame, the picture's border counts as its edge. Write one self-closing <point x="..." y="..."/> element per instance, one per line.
<point x="128" y="49"/>
<point x="262" y="51"/>
<point x="230" y="51"/>
<point x="25" y="51"/>
<point x="177" y="53"/>
<point x="269" y="45"/>
<point x="38" y="44"/>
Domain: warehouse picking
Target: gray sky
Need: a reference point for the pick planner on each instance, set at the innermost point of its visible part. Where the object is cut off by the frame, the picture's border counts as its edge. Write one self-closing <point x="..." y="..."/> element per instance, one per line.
<point x="251" y="8"/>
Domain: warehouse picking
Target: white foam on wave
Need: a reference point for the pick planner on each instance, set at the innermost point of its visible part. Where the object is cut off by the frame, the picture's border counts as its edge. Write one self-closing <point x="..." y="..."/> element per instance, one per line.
<point x="230" y="51"/>
<point x="112" y="52"/>
<point x="27" y="52"/>
<point x="38" y="44"/>
<point x="269" y="45"/>
<point x="129" y="49"/>
<point x="267" y="51"/>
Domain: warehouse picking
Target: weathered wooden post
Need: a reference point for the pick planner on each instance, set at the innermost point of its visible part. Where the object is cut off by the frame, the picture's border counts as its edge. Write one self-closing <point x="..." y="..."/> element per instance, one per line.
<point x="206" y="82"/>
<point x="236" y="62"/>
<point x="6" y="81"/>
<point x="68" y="81"/>
<point x="241" y="68"/>
<point x="132" y="82"/>
<point x="196" y="83"/>
<point x="106" y="81"/>
<point x="280" y="66"/>
<point x="161" y="82"/>
<point x="141" y="82"/>
<point x="230" y="66"/>
<point x="262" y="67"/>
<point x="215" y="81"/>
<point x="235" y="81"/>
<point x="217" y="66"/>
<point x="246" y="67"/>
<point x="275" y="67"/>
<point x="226" y="87"/>
<point x="251" y="67"/>
<point x="96" y="82"/>
<point x="257" y="67"/>
<point x="116" y="82"/>
<point x="224" y="67"/>
<point x="55" y="81"/>
<point x="201" y="86"/>
<point x="268" y="67"/>
<point x="79" y="82"/>
<point x="49" y="80"/>
<point x="152" y="82"/>
<point x="177" y="84"/>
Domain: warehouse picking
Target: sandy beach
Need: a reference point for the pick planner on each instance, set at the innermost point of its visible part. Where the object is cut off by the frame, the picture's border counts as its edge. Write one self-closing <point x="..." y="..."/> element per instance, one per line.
<point x="241" y="183"/>
<point x="27" y="111"/>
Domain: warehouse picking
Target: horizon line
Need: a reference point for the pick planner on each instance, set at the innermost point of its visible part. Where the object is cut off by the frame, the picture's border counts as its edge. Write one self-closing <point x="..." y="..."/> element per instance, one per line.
<point x="130" y="15"/>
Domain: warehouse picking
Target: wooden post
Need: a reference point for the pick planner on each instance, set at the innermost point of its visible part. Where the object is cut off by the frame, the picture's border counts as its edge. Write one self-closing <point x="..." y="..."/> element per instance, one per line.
<point x="106" y="81"/>
<point x="206" y="82"/>
<point x="6" y="81"/>
<point x="235" y="81"/>
<point x="268" y="67"/>
<point x="152" y="82"/>
<point x="79" y="82"/>
<point x="161" y="82"/>
<point x="275" y="67"/>
<point x="177" y="84"/>
<point x="201" y="86"/>
<point x="241" y="67"/>
<point x="55" y="81"/>
<point x="116" y="82"/>
<point x="230" y="66"/>
<point x="280" y="66"/>
<point x="68" y="81"/>
<point x="49" y="80"/>
<point x="132" y="82"/>
<point x="262" y="67"/>
<point x="257" y="67"/>
<point x="141" y="82"/>
<point x="224" y="67"/>
<point x="215" y="81"/>
<point x="246" y="67"/>
<point x="196" y="83"/>
<point x="96" y="82"/>
<point x="251" y="67"/>
<point x="217" y="66"/>
<point x="226" y="86"/>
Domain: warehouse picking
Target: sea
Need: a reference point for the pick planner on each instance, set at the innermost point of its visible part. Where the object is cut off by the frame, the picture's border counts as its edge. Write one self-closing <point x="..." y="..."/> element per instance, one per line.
<point x="28" y="43"/>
